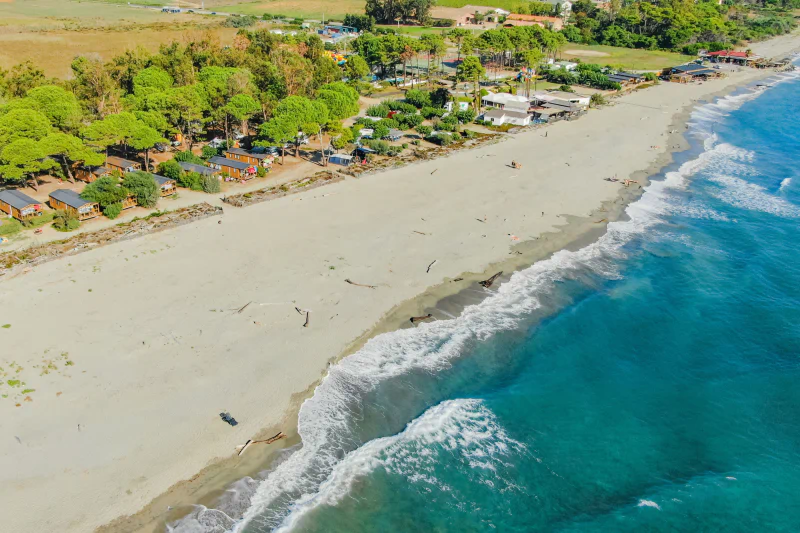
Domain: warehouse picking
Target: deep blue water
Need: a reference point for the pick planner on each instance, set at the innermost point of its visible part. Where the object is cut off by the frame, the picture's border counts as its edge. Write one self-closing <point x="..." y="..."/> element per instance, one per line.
<point x="650" y="382"/>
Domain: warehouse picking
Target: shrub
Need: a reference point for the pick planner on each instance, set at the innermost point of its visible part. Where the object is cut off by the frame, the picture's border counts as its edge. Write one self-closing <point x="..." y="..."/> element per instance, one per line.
<point x="380" y="110"/>
<point x="442" y="139"/>
<point x="469" y="134"/>
<point x="187" y="157"/>
<point x="170" y="169"/>
<point x="416" y="142"/>
<point x="650" y="76"/>
<point x="380" y="147"/>
<point x="380" y="131"/>
<point x="210" y="184"/>
<point x="191" y="180"/>
<point x="389" y="123"/>
<point x="443" y="23"/>
<point x="466" y="116"/>
<point x="399" y="105"/>
<point x="597" y="99"/>
<point x="429" y="112"/>
<point x="418" y="98"/>
<point x="408" y="122"/>
<point x="112" y="211"/>
<point x="106" y="191"/>
<point x="209" y="151"/>
<point x="566" y="89"/>
<point x="144" y="187"/>
<point x="404" y="145"/>
<point x="65" y="221"/>
<point x="261" y="171"/>
<point x="244" y="21"/>
<point x="424" y="130"/>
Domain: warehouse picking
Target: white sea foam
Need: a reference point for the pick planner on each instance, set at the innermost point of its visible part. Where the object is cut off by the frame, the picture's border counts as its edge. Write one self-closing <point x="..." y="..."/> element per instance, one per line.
<point x="785" y="183"/>
<point x="648" y="503"/>
<point x="465" y="429"/>
<point x="745" y="195"/>
<point x="332" y="455"/>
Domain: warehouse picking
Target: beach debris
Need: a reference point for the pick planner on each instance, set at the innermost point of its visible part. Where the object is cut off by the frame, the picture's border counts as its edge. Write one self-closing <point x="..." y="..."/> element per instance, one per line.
<point x="429" y="266"/>
<point x="242" y="447"/>
<point x="18" y="439"/>
<point x="601" y="221"/>
<point x="242" y="308"/>
<point x="488" y="282"/>
<point x="415" y="319"/>
<point x="457" y="279"/>
<point x="226" y="417"/>
<point x="421" y="233"/>
<point x="308" y="319"/>
<point x="480" y="220"/>
<point x="360" y="284"/>
<point x="434" y="171"/>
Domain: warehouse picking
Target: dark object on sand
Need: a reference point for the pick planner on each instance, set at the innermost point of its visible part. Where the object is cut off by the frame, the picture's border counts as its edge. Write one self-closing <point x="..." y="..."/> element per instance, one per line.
<point x="488" y="282"/>
<point x="242" y="447"/>
<point x="226" y="417"/>
<point x="415" y="319"/>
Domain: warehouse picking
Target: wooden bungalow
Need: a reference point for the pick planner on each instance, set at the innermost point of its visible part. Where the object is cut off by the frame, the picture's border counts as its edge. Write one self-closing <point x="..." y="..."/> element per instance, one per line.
<point x="168" y="186"/>
<point x="200" y="169"/>
<point x="71" y="202"/>
<point x="129" y="202"/>
<point x="231" y="167"/>
<point x="19" y="205"/>
<point x="89" y="174"/>
<point x="246" y="156"/>
<point x="122" y="165"/>
<point x="690" y="72"/>
<point x="626" y="78"/>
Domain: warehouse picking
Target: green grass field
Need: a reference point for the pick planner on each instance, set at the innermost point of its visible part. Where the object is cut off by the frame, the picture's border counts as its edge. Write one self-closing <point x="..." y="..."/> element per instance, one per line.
<point x="414" y="30"/>
<point x="307" y="9"/>
<point x="627" y="58"/>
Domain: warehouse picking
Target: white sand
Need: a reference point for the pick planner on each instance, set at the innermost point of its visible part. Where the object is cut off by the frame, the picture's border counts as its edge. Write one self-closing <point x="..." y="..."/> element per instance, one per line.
<point x="158" y="352"/>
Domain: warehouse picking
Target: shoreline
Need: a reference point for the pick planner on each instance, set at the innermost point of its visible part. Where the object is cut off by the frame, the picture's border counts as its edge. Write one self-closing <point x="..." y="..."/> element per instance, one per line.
<point x="283" y="382"/>
<point x="575" y="234"/>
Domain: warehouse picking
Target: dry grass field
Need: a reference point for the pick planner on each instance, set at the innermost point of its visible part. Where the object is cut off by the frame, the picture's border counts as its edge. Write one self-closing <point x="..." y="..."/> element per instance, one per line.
<point x="52" y="32"/>
<point x="310" y="9"/>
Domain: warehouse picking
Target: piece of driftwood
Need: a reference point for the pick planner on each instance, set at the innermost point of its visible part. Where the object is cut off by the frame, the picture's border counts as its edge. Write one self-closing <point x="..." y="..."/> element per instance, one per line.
<point x="488" y="282"/>
<point x="308" y="319"/>
<point x="415" y="319"/>
<point x="299" y="311"/>
<point x="458" y="279"/>
<point x="242" y="447"/>
<point x="434" y="171"/>
<point x="242" y="308"/>
<point x="361" y="284"/>
<point x="429" y="266"/>
<point x="415" y="231"/>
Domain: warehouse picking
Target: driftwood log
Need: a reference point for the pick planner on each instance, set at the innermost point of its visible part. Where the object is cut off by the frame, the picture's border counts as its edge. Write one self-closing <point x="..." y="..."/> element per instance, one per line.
<point x="488" y="282"/>
<point x="361" y="284"/>
<point x="415" y="319"/>
<point x="308" y="319"/>
<point x="242" y="447"/>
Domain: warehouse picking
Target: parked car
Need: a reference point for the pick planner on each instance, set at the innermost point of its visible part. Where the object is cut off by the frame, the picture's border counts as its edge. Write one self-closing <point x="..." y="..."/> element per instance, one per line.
<point x="176" y="143"/>
<point x="216" y="142"/>
<point x="161" y="147"/>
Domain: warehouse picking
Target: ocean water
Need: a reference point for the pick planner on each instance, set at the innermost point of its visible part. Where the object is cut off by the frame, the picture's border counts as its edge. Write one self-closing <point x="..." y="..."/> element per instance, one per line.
<point x="648" y="382"/>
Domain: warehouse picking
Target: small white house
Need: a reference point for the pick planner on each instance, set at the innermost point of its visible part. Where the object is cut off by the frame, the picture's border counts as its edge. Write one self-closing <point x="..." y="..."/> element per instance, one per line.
<point x="513" y="102"/>
<point x="581" y="100"/>
<point x="462" y="106"/>
<point x="566" y="65"/>
<point x="498" y="117"/>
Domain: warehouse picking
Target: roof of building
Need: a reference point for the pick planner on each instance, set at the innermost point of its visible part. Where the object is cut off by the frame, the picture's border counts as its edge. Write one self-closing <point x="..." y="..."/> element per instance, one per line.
<point x="161" y="180"/>
<point x="505" y="99"/>
<point x="96" y="170"/>
<point x="71" y="198"/>
<point x="341" y="157"/>
<point x="729" y="53"/>
<point x="200" y="169"/>
<point x="500" y="113"/>
<point x="620" y="78"/>
<point x="230" y="163"/>
<point x="17" y="199"/>
<point x="563" y="95"/>
<point x="457" y="12"/>
<point x="559" y="106"/>
<point x="120" y="162"/>
<point x="689" y="68"/>
<point x="242" y="151"/>
<point x="532" y="18"/>
<point x="395" y="133"/>
<point x="628" y="75"/>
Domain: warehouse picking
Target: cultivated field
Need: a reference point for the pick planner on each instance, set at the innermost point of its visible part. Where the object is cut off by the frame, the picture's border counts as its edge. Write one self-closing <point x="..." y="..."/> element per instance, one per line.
<point x="311" y="9"/>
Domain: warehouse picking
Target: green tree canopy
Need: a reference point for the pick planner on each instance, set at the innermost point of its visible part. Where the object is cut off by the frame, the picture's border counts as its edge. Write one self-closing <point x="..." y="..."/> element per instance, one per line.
<point x="143" y="186"/>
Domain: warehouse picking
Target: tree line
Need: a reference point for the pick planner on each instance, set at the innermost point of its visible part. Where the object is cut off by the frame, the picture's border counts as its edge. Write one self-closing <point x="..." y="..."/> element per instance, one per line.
<point x="139" y="99"/>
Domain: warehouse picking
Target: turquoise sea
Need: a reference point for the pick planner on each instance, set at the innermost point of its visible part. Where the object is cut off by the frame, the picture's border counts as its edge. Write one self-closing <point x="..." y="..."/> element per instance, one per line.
<point x="648" y="382"/>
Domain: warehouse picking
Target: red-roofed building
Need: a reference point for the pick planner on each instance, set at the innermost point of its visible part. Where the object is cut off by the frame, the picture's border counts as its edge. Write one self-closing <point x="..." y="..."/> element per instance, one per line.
<point x="730" y="56"/>
<point x="553" y="23"/>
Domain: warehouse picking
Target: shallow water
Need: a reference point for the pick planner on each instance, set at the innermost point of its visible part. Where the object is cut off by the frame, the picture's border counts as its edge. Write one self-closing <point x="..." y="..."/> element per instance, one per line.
<point x="647" y="382"/>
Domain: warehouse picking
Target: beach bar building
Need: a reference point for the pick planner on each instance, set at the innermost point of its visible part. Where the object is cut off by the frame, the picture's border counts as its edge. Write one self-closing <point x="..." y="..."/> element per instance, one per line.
<point x="19" y="205"/>
<point x="690" y="72"/>
<point x="498" y="117"/>
<point x="626" y="78"/>
<point x="200" y="169"/>
<point x="168" y="187"/>
<point x="91" y="173"/>
<point x="233" y="168"/>
<point x="122" y="165"/>
<point x="71" y="202"/>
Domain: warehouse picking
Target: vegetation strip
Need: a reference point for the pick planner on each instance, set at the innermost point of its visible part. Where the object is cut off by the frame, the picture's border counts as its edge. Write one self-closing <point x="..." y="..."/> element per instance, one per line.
<point x="158" y="221"/>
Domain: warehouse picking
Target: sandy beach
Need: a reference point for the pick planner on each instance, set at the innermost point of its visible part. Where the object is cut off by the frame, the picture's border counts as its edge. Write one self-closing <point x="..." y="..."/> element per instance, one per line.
<point x="133" y="349"/>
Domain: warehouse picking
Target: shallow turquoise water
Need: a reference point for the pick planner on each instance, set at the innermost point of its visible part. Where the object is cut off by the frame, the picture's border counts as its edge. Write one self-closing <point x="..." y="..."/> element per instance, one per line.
<point x="646" y="383"/>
